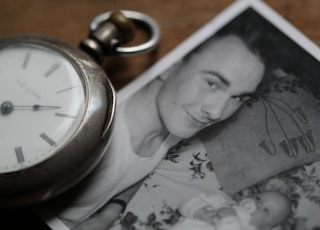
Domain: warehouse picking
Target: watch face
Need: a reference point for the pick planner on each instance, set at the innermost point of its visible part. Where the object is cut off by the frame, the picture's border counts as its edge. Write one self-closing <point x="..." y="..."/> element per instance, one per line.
<point x="42" y="99"/>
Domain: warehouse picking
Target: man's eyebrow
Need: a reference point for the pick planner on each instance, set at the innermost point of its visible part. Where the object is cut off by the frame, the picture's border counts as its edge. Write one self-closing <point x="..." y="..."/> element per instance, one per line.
<point x="218" y="75"/>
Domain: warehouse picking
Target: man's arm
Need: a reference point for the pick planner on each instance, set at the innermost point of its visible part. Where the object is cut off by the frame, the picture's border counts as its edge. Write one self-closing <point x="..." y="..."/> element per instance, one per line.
<point x="111" y="211"/>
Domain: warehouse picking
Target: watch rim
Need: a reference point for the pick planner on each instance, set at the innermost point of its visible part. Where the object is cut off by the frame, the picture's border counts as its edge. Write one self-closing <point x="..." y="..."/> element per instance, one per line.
<point x="98" y="88"/>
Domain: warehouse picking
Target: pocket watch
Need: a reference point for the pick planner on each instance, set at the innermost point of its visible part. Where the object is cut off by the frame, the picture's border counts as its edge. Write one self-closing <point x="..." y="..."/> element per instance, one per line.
<point x="57" y="106"/>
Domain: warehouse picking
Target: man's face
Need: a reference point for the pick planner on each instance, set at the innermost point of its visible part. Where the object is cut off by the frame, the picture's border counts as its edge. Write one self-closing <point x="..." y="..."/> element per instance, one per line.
<point x="209" y="87"/>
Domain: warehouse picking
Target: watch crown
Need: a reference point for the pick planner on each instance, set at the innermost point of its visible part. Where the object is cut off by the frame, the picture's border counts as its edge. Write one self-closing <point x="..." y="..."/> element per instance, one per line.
<point x="108" y="35"/>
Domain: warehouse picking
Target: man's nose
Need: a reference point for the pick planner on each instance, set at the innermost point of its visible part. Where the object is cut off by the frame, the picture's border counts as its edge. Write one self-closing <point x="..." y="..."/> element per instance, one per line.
<point x="214" y="108"/>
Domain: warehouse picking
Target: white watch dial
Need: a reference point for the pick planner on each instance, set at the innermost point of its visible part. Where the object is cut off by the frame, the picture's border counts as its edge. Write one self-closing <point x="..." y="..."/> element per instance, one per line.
<point x="42" y="99"/>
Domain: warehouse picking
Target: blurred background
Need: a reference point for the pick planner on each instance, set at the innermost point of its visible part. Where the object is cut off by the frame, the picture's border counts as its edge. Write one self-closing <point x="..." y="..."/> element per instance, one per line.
<point x="69" y="21"/>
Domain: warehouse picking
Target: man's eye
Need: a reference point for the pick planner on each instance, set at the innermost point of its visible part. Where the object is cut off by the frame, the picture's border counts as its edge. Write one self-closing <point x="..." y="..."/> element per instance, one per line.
<point x="242" y="98"/>
<point x="212" y="84"/>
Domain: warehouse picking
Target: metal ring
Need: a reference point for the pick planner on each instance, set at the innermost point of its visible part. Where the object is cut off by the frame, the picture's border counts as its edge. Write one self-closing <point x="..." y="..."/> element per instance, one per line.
<point x="137" y="17"/>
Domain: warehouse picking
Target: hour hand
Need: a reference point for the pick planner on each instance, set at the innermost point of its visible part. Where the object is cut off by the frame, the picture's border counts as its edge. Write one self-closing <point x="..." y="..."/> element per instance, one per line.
<point x="7" y="107"/>
<point x="36" y="107"/>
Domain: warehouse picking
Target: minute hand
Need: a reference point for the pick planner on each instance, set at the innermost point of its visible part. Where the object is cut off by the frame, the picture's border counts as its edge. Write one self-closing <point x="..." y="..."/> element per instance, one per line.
<point x="36" y="107"/>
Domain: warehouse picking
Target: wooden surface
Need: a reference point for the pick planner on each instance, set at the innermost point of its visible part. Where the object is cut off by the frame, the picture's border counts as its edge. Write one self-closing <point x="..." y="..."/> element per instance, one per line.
<point x="68" y="20"/>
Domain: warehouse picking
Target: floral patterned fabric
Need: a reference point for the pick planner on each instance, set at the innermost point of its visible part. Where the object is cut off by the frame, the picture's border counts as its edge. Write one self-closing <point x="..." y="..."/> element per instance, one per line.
<point x="187" y="171"/>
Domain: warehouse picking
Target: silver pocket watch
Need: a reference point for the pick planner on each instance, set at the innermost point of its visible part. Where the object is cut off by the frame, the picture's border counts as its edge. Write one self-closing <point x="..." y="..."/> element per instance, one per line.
<point x="57" y="106"/>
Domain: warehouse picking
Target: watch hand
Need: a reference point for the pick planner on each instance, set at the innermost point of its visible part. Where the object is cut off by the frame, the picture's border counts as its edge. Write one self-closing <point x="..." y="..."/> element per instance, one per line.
<point x="7" y="107"/>
<point x="36" y="107"/>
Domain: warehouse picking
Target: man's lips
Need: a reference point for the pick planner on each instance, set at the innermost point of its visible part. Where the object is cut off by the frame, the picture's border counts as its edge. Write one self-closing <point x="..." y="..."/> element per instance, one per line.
<point x="196" y="119"/>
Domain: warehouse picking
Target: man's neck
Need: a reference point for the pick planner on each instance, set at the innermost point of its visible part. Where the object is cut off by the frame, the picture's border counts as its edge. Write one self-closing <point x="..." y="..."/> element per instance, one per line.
<point x="145" y="126"/>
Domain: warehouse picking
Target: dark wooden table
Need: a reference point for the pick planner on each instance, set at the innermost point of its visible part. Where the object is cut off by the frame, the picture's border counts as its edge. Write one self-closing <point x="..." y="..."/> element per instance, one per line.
<point x="69" y="21"/>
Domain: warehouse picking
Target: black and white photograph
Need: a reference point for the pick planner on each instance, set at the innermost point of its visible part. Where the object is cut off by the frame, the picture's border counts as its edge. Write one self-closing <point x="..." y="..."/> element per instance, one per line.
<point x="222" y="133"/>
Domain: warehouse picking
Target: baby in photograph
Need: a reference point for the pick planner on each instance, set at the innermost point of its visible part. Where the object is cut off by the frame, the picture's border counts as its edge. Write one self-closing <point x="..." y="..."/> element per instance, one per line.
<point x="218" y="211"/>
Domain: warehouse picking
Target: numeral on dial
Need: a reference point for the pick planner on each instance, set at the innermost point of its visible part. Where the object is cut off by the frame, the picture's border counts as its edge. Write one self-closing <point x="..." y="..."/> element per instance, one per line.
<point x="64" y="90"/>
<point x="64" y="115"/>
<point x="26" y="60"/>
<point x="48" y="139"/>
<point x="19" y="154"/>
<point x="53" y="68"/>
